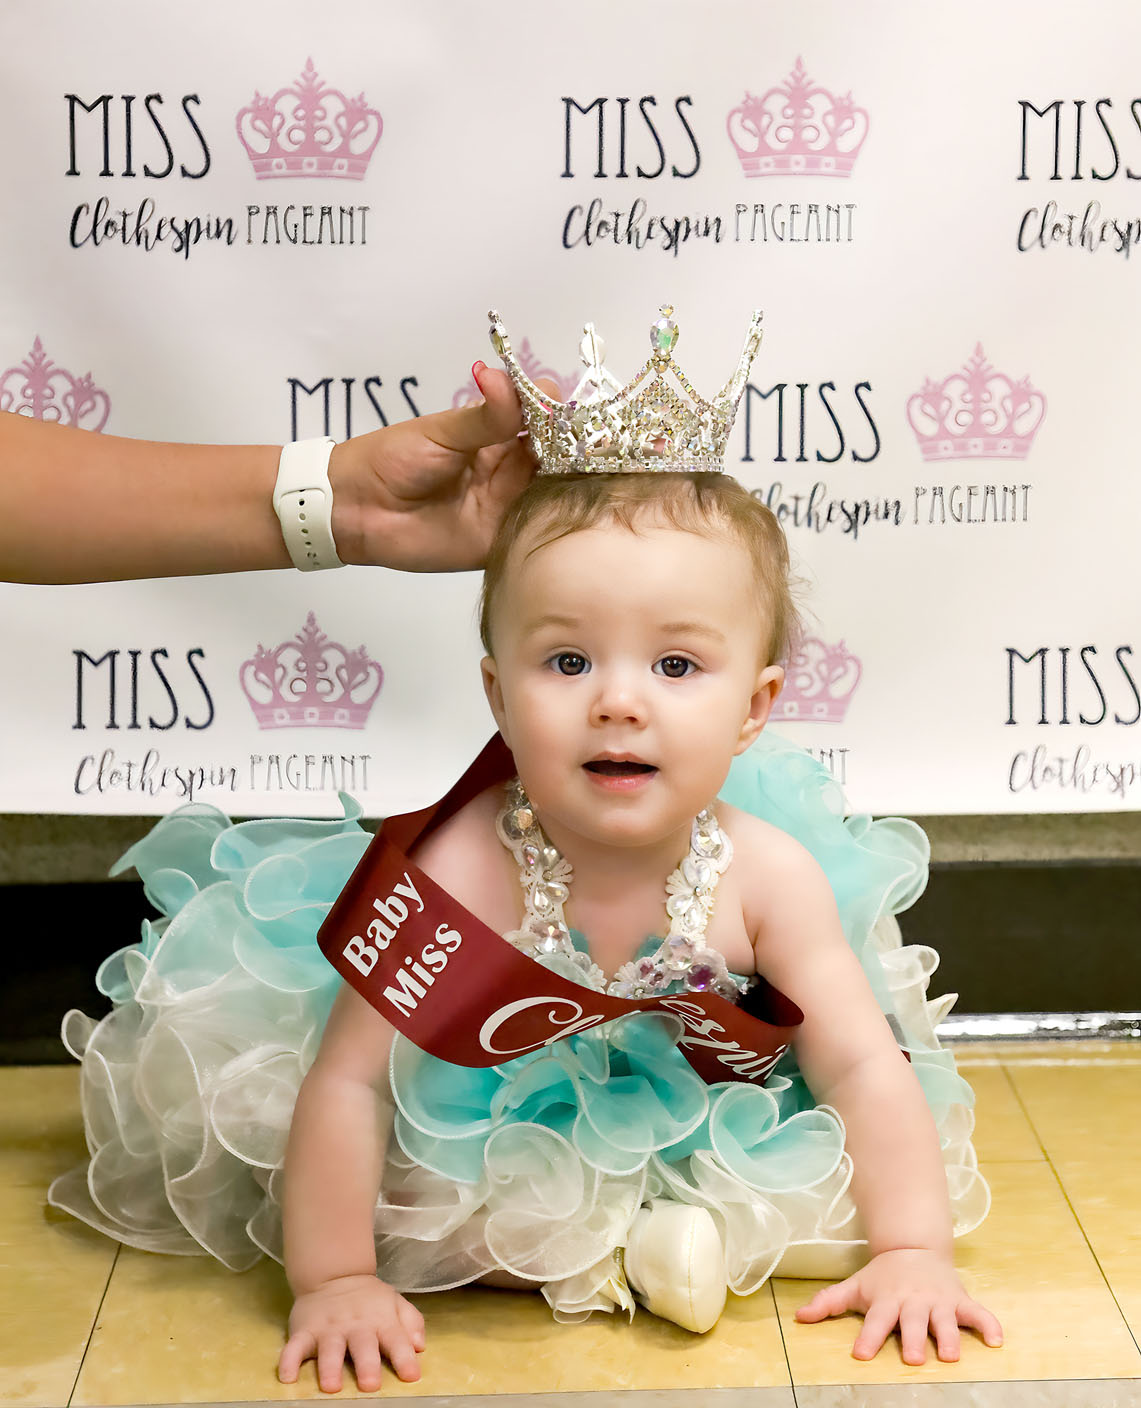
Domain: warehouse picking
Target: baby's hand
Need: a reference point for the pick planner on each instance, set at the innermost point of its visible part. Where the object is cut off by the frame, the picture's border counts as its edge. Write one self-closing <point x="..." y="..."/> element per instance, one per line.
<point x="919" y="1291"/>
<point x="358" y="1315"/>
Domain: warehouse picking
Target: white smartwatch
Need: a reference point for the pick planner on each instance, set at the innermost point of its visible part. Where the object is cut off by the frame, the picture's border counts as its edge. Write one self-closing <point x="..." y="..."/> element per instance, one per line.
<point x="303" y="501"/>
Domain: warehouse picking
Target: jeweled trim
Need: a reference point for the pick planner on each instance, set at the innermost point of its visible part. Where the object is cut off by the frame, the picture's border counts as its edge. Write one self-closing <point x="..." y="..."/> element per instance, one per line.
<point x="683" y="955"/>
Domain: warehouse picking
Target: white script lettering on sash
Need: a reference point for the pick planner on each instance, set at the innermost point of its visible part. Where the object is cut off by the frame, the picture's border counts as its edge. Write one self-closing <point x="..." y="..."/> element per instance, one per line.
<point x="392" y="912"/>
<point x="701" y="1030"/>
<point x="574" y="1022"/>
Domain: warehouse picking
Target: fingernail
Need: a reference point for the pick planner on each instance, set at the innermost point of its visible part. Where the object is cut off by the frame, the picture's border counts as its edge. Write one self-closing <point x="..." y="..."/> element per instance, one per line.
<point x="477" y="370"/>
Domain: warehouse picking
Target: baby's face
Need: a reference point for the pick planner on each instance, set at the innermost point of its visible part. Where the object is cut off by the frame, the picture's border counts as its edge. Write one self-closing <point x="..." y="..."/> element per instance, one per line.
<point x="627" y="673"/>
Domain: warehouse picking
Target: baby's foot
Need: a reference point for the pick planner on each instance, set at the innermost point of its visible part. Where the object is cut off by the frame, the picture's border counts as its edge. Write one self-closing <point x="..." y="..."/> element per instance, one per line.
<point x="675" y="1264"/>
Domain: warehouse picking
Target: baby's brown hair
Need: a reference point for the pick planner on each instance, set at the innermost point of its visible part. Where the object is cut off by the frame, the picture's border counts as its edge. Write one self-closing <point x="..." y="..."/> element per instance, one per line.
<point x="554" y="505"/>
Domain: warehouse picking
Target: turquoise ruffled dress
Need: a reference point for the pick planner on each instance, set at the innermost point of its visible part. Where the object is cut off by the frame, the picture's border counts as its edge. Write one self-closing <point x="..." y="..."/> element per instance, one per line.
<point x="535" y="1166"/>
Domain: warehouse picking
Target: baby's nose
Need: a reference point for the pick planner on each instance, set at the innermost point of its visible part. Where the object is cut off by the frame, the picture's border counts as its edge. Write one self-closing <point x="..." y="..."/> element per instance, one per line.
<point x="618" y="702"/>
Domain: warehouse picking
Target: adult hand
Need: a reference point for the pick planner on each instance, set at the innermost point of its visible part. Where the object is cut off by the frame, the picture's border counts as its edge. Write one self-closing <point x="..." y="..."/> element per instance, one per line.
<point x="359" y="1316"/>
<point x="915" y="1289"/>
<point x="427" y="495"/>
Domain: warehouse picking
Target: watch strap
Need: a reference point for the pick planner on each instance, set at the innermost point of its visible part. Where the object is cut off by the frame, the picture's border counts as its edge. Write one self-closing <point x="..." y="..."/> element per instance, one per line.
<point x="303" y="502"/>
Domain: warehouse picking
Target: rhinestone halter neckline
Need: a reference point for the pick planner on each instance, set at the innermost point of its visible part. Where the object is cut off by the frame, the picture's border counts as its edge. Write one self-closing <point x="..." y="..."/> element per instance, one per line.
<point x="682" y="956"/>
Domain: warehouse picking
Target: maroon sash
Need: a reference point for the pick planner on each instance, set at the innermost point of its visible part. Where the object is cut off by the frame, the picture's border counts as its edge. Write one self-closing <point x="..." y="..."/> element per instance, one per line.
<point x="460" y="991"/>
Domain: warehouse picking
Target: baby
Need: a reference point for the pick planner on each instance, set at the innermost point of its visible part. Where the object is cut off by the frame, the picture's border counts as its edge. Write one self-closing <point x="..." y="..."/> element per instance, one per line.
<point x="633" y="627"/>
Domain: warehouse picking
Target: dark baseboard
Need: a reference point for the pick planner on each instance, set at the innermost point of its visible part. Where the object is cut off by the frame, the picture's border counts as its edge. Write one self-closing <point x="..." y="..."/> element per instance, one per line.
<point x="1033" y="938"/>
<point x="1012" y="938"/>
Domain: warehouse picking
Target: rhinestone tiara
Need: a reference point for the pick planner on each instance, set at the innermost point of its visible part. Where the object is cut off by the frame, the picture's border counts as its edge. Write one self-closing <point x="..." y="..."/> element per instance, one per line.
<point x="655" y="424"/>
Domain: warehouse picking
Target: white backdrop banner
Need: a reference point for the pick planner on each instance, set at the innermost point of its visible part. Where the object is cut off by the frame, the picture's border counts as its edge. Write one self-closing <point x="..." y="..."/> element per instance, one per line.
<point x="266" y="221"/>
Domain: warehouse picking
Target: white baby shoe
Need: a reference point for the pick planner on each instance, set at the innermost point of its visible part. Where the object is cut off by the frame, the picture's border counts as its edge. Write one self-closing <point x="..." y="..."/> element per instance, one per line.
<point x="675" y="1264"/>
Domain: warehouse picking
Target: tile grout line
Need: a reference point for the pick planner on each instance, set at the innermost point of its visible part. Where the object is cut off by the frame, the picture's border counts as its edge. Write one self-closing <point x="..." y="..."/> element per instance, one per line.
<point x="1096" y="1259"/>
<point x="783" y="1345"/>
<point x="94" y="1323"/>
<point x="1073" y="1211"/>
<point x="1026" y="1114"/>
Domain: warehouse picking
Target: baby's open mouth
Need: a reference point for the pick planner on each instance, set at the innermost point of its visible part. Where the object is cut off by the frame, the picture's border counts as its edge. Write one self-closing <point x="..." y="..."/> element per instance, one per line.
<point x="619" y="767"/>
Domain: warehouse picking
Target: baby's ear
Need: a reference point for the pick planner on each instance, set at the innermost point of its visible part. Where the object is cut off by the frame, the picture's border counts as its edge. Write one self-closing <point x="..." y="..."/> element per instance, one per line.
<point x="768" y="686"/>
<point x="494" y="692"/>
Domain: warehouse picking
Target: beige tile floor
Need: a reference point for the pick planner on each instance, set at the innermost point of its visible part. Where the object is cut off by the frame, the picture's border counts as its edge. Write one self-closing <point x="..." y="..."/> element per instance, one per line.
<point x="87" y="1323"/>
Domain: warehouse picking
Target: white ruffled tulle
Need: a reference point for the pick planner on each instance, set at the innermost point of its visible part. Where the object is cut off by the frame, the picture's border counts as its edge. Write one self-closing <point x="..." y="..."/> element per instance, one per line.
<point x="535" y="1167"/>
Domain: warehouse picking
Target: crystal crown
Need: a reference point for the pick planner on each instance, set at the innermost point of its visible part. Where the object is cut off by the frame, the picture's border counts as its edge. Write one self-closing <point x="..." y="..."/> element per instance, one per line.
<point x="470" y="394"/>
<point x="655" y="424"/>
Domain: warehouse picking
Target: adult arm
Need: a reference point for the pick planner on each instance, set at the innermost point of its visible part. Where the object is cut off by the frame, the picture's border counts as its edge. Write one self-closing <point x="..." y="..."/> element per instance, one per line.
<point x="422" y="495"/>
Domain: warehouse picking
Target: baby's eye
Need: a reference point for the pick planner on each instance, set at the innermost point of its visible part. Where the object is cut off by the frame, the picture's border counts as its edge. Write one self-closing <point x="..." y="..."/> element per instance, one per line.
<point x="674" y="667"/>
<point x="568" y="662"/>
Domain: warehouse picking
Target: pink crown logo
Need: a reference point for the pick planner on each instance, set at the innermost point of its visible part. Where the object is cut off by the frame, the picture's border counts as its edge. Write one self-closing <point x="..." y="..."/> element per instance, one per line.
<point x="43" y="391"/>
<point x="468" y="395"/>
<point x="820" y="680"/>
<point x="309" y="129"/>
<point x="976" y="413"/>
<point x="311" y="682"/>
<point x="798" y="129"/>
